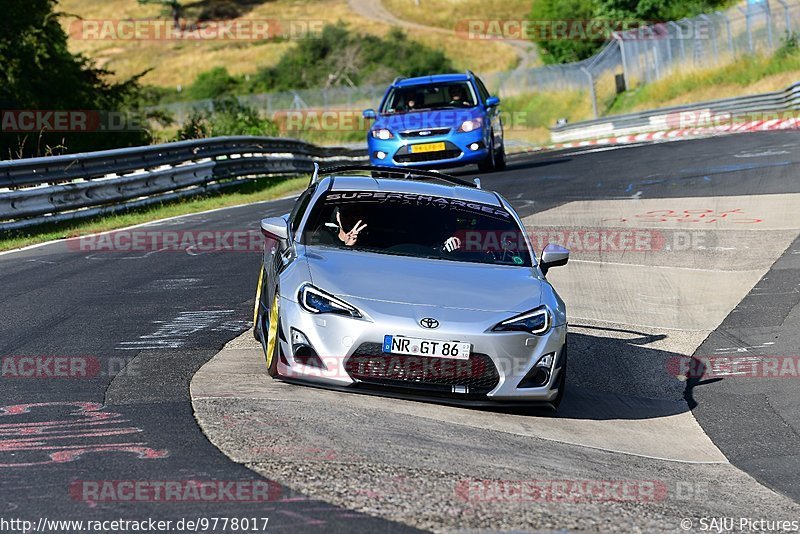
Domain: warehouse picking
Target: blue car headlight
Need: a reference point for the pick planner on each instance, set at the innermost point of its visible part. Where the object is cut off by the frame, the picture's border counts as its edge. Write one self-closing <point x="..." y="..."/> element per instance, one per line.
<point x="470" y="125"/>
<point x="382" y="133"/>
<point x="536" y="322"/>
<point x="314" y="300"/>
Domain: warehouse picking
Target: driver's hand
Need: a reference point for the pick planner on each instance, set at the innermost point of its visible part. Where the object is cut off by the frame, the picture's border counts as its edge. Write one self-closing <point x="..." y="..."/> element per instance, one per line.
<point x="349" y="238"/>
<point x="452" y="243"/>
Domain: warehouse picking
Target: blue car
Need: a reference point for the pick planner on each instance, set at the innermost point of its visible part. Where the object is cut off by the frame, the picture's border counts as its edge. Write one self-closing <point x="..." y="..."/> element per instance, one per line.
<point x="447" y="120"/>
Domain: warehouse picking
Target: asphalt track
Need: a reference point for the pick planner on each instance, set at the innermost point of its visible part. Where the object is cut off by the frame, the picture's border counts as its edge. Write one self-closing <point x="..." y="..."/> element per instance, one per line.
<point x="167" y="313"/>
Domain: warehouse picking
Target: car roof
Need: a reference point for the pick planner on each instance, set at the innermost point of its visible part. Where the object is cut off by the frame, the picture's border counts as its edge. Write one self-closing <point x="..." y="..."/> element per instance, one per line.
<point x="437" y="78"/>
<point x="394" y="185"/>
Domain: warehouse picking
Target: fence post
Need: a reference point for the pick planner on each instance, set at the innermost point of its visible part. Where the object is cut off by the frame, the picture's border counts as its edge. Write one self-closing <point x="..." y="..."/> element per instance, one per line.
<point x="786" y="16"/>
<point x="591" y="90"/>
<point x="680" y="39"/>
<point x="749" y="30"/>
<point x="712" y="36"/>
<point x="768" y="17"/>
<point x="654" y="48"/>
<point x="621" y="43"/>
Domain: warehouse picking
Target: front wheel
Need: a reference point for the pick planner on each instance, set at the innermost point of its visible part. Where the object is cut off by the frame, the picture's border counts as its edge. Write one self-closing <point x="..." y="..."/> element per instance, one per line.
<point x="562" y="382"/>
<point x="272" y="345"/>
<point x="488" y="163"/>
<point x="500" y="158"/>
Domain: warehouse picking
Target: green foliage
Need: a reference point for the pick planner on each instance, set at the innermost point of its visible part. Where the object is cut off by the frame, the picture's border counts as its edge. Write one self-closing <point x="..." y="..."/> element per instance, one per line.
<point x="790" y="46"/>
<point x="554" y="50"/>
<point x="229" y="117"/>
<point x="335" y="57"/>
<point x="37" y="72"/>
<point x="339" y="56"/>
<point x="618" y="12"/>
<point x="214" y="83"/>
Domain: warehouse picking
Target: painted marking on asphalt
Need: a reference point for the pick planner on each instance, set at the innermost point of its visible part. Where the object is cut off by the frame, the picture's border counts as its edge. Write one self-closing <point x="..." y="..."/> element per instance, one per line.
<point x="177" y="332"/>
<point x="54" y="437"/>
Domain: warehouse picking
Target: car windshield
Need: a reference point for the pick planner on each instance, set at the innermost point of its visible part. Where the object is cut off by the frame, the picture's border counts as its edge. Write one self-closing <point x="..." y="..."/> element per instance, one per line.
<point x="453" y="95"/>
<point x="416" y="225"/>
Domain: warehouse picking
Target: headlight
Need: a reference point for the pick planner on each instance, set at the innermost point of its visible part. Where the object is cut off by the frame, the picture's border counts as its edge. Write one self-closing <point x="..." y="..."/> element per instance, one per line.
<point x="470" y="125"/>
<point x="317" y="301"/>
<point x="382" y="134"/>
<point x="537" y="322"/>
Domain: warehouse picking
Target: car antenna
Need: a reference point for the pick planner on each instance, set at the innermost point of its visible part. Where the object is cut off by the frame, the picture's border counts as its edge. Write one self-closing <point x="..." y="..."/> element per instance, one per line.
<point x="477" y="182"/>
<point x="314" y="175"/>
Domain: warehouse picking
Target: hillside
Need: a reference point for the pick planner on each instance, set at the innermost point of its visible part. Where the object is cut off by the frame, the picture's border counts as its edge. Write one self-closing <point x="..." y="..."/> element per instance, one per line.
<point x="173" y="62"/>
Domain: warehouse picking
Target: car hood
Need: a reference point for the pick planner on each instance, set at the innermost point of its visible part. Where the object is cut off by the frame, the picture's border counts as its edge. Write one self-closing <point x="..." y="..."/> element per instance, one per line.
<point x="419" y="281"/>
<point x="418" y="120"/>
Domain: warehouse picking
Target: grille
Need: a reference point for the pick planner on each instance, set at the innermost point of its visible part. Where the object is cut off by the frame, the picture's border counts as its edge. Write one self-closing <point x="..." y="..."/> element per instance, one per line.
<point x="428" y="133"/>
<point x="370" y="365"/>
<point x="427" y="156"/>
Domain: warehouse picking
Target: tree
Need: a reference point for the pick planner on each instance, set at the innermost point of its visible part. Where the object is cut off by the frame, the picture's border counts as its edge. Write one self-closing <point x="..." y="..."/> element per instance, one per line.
<point x="37" y="72"/>
<point x="175" y="8"/>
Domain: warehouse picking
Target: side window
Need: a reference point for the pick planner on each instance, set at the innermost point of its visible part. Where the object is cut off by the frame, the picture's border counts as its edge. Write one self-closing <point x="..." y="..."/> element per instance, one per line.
<point x="299" y="210"/>
<point x="482" y="90"/>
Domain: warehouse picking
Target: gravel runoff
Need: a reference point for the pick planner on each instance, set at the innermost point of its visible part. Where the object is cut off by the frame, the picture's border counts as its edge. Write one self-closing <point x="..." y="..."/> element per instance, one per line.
<point x="415" y="471"/>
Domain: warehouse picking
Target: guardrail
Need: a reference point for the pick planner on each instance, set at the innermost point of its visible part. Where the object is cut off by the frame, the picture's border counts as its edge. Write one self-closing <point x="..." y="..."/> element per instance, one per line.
<point x="709" y="113"/>
<point x="52" y="189"/>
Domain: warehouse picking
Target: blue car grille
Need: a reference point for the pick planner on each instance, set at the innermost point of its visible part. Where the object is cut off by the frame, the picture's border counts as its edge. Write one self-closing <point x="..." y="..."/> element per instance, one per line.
<point x="421" y="134"/>
<point x="405" y="156"/>
<point x="370" y="365"/>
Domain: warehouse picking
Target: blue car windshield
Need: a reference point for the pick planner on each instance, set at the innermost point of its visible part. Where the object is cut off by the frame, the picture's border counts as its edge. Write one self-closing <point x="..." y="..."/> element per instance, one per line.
<point x="417" y="225"/>
<point x="452" y="95"/>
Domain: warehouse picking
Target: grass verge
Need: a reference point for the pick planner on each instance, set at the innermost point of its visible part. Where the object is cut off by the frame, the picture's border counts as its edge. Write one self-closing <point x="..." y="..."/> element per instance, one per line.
<point x="747" y="75"/>
<point x="262" y="189"/>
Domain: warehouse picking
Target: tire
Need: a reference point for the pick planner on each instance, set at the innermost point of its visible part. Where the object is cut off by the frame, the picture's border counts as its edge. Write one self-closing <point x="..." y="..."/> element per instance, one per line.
<point x="488" y="163"/>
<point x="257" y="326"/>
<point x="500" y="159"/>
<point x="272" y="345"/>
<point x="562" y="382"/>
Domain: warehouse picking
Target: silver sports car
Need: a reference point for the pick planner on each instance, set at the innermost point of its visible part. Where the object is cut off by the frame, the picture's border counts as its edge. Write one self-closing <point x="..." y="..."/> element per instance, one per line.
<point x="411" y="283"/>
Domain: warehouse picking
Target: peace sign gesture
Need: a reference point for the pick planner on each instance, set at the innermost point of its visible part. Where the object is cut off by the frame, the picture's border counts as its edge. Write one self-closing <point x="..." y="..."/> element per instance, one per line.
<point x="349" y="238"/>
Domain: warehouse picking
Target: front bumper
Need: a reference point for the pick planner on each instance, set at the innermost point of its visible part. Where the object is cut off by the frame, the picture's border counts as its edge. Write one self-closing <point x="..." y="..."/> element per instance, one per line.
<point x="457" y="150"/>
<point x="339" y="341"/>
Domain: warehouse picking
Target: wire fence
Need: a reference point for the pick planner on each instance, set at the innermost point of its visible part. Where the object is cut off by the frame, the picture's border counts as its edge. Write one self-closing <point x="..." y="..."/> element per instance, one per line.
<point x="639" y="56"/>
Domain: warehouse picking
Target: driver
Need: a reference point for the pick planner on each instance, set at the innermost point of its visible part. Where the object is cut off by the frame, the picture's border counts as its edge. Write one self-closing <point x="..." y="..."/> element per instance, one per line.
<point x="458" y="97"/>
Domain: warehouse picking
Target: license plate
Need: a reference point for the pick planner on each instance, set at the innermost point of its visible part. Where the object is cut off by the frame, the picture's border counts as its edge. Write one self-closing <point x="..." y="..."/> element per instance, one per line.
<point x="426" y="147"/>
<point x="413" y="346"/>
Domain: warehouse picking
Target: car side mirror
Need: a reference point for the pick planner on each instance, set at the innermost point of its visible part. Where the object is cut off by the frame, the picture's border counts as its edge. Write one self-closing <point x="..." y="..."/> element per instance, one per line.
<point x="492" y="101"/>
<point x="275" y="228"/>
<point x="368" y="114"/>
<point x="553" y="256"/>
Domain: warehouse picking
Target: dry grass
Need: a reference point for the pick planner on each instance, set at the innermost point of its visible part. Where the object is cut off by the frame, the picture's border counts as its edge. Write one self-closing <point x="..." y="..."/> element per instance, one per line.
<point x="172" y="63"/>
<point x="447" y="13"/>
<point x="748" y="75"/>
